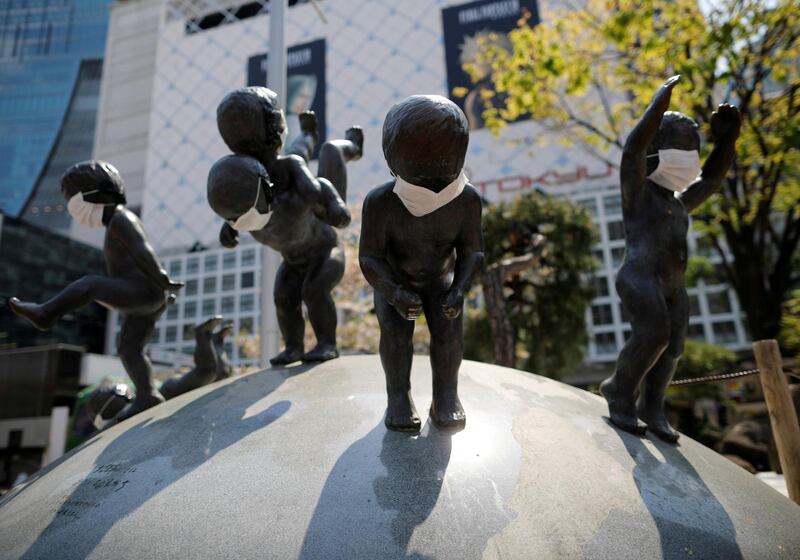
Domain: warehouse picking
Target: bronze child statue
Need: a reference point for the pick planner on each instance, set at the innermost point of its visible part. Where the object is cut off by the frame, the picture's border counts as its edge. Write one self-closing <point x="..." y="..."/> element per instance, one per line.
<point x="136" y="285"/>
<point x="281" y="204"/>
<point x="421" y="244"/>
<point x="662" y="182"/>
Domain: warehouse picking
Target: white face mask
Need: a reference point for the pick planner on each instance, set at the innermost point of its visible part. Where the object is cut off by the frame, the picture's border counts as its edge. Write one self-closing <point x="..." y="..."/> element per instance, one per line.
<point x="677" y="169"/>
<point x="252" y="220"/>
<point x="89" y="214"/>
<point x="420" y="201"/>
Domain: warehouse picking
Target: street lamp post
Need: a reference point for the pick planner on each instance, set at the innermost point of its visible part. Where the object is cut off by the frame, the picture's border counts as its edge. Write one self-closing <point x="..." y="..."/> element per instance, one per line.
<point x="270" y="259"/>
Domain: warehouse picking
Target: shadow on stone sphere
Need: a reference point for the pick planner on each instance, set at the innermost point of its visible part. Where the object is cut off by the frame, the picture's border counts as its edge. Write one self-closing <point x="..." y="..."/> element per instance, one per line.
<point x="174" y="445"/>
<point x="690" y="520"/>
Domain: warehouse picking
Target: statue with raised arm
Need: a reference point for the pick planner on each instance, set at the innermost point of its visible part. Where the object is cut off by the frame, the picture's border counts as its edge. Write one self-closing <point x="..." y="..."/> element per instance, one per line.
<point x="136" y="284"/>
<point x="662" y="182"/>
<point x="421" y="245"/>
<point x="282" y="204"/>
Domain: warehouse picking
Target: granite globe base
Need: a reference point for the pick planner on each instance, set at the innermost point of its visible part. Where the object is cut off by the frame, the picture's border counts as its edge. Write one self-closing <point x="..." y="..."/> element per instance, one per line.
<point x="296" y="463"/>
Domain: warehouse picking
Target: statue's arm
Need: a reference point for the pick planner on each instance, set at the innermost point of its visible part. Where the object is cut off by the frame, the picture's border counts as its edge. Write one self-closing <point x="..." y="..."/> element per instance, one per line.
<point x="469" y="247"/>
<point x="372" y="249"/>
<point x="129" y="232"/>
<point x="331" y="209"/>
<point x="306" y="184"/>
<point x="725" y="125"/>
<point x="633" y="168"/>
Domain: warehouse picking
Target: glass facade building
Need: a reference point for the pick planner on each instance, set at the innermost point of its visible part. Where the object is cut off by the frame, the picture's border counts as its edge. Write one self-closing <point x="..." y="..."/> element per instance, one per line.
<point x="50" y="62"/>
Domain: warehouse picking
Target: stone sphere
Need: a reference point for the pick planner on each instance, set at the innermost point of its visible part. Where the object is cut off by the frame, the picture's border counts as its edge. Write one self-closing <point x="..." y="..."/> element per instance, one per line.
<point x="296" y="463"/>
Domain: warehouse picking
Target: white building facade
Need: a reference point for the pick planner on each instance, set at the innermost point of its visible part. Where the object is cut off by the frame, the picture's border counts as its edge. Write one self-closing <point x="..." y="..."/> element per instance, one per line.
<point x="376" y="52"/>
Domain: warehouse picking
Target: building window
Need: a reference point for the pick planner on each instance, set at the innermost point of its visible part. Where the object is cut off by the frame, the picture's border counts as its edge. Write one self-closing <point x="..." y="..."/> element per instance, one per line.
<point x="612" y="204"/>
<point x="192" y="265"/>
<point x="190" y="310"/>
<point x="696" y="332"/>
<point x="600" y="285"/>
<point x="249" y="257"/>
<point x="616" y="230"/>
<point x="590" y="204"/>
<point x="188" y="331"/>
<point x="246" y="325"/>
<point x="694" y="305"/>
<point x="248" y="279"/>
<point x="606" y="343"/>
<point x="172" y="312"/>
<point x="209" y="285"/>
<point x="156" y="335"/>
<point x="209" y="307"/>
<point x="598" y="255"/>
<point x="725" y="332"/>
<point x="228" y="303"/>
<point x="229" y="260"/>
<point x="228" y="282"/>
<point x="171" y="334"/>
<point x="187" y="350"/>
<point x="191" y="288"/>
<point x="719" y="302"/>
<point x="247" y="302"/>
<point x="601" y="315"/>
<point x="175" y="268"/>
<point x="210" y="263"/>
<point x="617" y="254"/>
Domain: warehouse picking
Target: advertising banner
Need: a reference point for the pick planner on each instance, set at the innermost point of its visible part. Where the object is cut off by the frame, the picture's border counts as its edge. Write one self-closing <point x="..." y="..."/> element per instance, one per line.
<point x="305" y="83"/>
<point x="464" y="27"/>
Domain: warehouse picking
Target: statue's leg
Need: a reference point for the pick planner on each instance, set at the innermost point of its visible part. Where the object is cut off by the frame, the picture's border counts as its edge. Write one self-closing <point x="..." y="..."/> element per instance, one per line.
<point x="447" y="351"/>
<point x="645" y="303"/>
<point x="289" y="307"/>
<point x="134" y="334"/>
<point x="205" y="362"/>
<point x="319" y="282"/>
<point x="397" y="351"/>
<point x="224" y="367"/>
<point x="334" y="155"/>
<point x="650" y="405"/>
<point x="114" y="292"/>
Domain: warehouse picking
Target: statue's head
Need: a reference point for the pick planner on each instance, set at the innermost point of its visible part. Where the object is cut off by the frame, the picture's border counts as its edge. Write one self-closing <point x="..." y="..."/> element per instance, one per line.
<point x="99" y="181"/>
<point x="237" y="184"/>
<point x="425" y="139"/>
<point x="251" y="122"/>
<point x="676" y="132"/>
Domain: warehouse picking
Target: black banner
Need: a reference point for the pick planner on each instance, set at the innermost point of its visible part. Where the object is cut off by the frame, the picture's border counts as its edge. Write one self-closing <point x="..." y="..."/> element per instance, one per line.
<point x="305" y="84"/>
<point x="463" y="26"/>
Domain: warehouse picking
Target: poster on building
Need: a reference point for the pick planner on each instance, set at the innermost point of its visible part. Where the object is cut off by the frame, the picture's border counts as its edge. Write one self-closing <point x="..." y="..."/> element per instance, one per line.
<point x="465" y="26"/>
<point x="305" y="84"/>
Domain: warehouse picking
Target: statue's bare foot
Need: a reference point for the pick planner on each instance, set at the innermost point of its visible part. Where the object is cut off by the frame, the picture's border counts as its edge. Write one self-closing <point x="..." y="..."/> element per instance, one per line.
<point x="321" y="353"/>
<point x="657" y="423"/>
<point x="209" y="324"/>
<point x="621" y="409"/>
<point x="288" y="356"/>
<point x="32" y="312"/>
<point x="224" y="332"/>
<point x="356" y="135"/>
<point x="140" y="403"/>
<point x="309" y="124"/>
<point x="401" y="414"/>
<point x="447" y="412"/>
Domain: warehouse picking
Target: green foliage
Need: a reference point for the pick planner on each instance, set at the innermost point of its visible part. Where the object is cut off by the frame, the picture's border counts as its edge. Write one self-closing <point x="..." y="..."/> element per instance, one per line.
<point x="546" y="305"/>
<point x="790" y="326"/>
<point x="587" y="75"/>
<point x="700" y="359"/>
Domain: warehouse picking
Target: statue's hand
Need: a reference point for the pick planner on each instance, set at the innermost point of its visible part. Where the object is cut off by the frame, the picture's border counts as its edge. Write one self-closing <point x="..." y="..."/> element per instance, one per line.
<point x="407" y="303"/>
<point x="453" y="304"/>
<point x="726" y="122"/>
<point x="663" y="94"/>
<point x="173" y="286"/>
<point x="228" y="236"/>
<point x="308" y="123"/>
